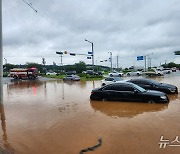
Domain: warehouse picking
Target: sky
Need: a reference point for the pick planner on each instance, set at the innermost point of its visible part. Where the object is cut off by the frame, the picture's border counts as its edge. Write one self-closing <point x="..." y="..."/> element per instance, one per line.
<point x="126" y="28"/>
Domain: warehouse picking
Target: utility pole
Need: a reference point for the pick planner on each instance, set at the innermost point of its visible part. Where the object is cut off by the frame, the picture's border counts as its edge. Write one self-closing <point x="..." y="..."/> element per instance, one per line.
<point x="147" y="56"/>
<point x="111" y="59"/>
<point x="1" y="55"/>
<point x="61" y="55"/>
<point x="92" y="51"/>
<point x="145" y="63"/>
<point x="117" y="61"/>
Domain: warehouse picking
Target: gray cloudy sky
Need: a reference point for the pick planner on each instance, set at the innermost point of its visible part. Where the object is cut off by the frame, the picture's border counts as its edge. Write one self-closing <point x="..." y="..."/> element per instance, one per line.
<point x="127" y="28"/>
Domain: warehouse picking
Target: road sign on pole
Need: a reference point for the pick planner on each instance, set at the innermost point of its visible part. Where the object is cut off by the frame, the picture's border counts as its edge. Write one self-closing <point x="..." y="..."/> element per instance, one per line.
<point x="177" y="52"/>
<point x="140" y="57"/>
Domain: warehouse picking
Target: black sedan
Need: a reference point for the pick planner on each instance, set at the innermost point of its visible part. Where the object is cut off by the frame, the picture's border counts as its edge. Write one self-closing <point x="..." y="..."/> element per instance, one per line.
<point x="126" y="91"/>
<point x="155" y="85"/>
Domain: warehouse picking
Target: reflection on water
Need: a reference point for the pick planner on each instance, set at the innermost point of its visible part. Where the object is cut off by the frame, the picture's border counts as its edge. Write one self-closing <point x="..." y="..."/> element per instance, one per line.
<point x="125" y="109"/>
<point x="58" y="117"/>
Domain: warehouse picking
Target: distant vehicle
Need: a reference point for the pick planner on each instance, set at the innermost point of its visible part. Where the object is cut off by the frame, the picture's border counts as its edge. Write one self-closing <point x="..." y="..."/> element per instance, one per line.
<point x="98" y="73"/>
<point x="138" y="73"/>
<point x="174" y="69"/>
<point x="155" y="72"/>
<point x="72" y="78"/>
<point x="19" y="73"/>
<point x="51" y="73"/>
<point x="167" y="71"/>
<point x="114" y="73"/>
<point x="125" y="91"/>
<point x="110" y="80"/>
<point x="90" y="72"/>
<point x="155" y="85"/>
<point x="71" y="72"/>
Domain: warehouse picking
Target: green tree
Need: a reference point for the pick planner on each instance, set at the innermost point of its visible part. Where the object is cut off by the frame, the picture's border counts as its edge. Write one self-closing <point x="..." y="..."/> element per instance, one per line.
<point x="8" y="66"/>
<point x="79" y="67"/>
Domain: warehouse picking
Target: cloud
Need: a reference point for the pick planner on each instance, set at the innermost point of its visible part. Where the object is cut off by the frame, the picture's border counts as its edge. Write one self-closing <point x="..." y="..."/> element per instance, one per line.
<point x="127" y="28"/>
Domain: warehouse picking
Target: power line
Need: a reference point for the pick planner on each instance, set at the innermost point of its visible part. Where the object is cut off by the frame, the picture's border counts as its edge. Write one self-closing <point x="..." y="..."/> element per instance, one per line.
<point x="30" y="5"/>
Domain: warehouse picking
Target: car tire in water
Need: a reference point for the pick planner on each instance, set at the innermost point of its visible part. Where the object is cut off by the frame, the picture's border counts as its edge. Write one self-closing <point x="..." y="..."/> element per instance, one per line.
<point x="151" y="101"/>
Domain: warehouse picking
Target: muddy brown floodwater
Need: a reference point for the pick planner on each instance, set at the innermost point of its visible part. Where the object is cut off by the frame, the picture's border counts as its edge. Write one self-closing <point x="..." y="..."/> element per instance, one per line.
<point x="55" y="117"/>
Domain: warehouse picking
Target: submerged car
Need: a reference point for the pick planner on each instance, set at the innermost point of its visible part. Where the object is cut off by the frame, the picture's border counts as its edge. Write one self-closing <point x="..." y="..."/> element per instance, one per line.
<point x="126" y="91"/>
<point x="110" y="80"/>
<point x="155" y="85"/>
<point x="72" y="78"/>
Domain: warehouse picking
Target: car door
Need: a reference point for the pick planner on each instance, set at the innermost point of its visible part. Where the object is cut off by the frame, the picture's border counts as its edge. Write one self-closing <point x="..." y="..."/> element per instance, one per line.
<point x="119" y="92"/>
<point x="144" y="84"/>
<point x="112" y="92"/>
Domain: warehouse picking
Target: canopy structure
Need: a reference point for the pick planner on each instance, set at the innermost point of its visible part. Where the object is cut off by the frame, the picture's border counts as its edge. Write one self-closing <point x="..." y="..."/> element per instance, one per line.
<point x="177" y="52"/>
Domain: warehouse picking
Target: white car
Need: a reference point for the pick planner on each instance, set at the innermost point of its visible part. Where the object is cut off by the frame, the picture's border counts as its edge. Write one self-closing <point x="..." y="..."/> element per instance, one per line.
<point x="51" y="73"/>
<point x="138" y="73"/>
<point x="110" y="80"/>
<point x="111" y="74"/>
<point x="167" y="71"/>
<point x="72" y="78"/>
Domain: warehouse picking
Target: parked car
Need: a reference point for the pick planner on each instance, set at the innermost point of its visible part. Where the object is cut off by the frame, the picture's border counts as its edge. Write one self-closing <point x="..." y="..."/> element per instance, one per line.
<point x="126" y="91"/>
<point x="71" y="72"/>
<point x="138" y="73"/>
<point x="90" y="72"/>
<point x="51" y="73"/>
<point x="98" y="73"/>
<point x="72" y="78"/>
<point x="110" y="80"/>
<point x="114" y="73"/>
<point x="173" y="69"/>
<point x="167" y="71"/>
<point x="155" y="85"/>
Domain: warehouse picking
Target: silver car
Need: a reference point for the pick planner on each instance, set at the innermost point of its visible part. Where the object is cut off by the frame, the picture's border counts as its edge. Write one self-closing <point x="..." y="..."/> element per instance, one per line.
<point x="111" y="80"/>
<point x="72" y="78"/>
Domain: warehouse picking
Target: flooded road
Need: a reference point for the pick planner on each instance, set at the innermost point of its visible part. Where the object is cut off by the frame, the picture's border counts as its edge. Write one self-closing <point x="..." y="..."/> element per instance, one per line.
<point x="56" y="117"/>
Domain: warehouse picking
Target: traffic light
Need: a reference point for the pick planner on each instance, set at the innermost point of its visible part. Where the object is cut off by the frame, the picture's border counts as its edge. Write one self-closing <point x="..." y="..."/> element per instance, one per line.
<point x="72" y="54"/>
<point x="60" y="53"/>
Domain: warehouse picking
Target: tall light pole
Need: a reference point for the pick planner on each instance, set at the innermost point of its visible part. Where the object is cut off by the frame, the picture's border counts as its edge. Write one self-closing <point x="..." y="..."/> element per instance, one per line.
<point x="5" y="60"/>
<point x="60" y="53"/>
<point x="111" y="59"/>
<point x="92" y="52"/>
<point x="1" y="54"/>
<point x="145" y="58"/>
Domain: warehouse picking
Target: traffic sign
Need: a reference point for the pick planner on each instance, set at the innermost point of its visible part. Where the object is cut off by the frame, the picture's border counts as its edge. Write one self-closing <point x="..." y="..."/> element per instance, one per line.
<point x="140" y="57"/>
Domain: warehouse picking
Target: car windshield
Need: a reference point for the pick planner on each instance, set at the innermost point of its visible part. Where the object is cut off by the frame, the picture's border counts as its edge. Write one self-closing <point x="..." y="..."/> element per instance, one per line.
<point x="138" y="87"/>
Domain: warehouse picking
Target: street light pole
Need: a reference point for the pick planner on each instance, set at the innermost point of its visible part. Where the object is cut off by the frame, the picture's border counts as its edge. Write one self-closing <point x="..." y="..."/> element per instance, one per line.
<point x="1" y="54"/>
<point x="92" y="52"/>
<point x="111" y="59"/>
